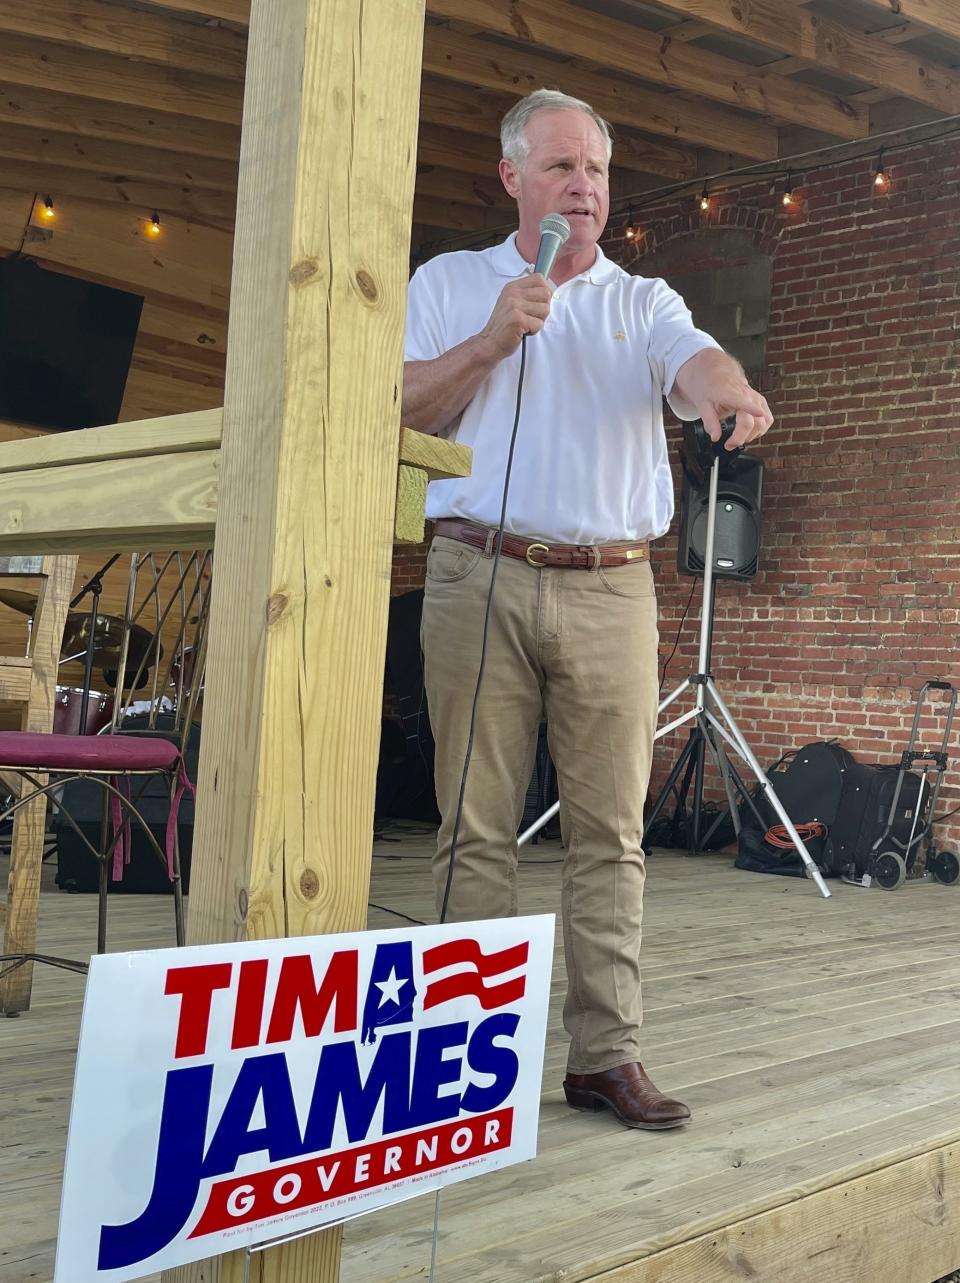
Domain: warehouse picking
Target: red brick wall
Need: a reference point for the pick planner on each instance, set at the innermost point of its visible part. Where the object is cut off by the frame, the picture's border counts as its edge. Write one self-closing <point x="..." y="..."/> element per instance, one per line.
<point x="858" y="598"/>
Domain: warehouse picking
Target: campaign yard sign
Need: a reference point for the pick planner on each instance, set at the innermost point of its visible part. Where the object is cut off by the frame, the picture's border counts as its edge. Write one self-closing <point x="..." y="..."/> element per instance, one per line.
<point x="226" y="1095"/>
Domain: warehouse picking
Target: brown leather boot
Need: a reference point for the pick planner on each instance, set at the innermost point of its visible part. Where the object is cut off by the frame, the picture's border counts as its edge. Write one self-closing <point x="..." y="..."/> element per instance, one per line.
<point x="630" y="1094"/>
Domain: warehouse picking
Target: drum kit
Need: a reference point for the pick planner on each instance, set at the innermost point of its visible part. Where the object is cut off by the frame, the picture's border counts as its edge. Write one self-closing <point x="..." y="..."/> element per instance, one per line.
<point x="105" y="644"/>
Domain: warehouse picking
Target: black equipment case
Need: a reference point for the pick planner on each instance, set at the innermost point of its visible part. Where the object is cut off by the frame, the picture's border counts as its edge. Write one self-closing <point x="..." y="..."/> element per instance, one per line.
<point x="810" y="785"/>
<point x="864" y="813"/>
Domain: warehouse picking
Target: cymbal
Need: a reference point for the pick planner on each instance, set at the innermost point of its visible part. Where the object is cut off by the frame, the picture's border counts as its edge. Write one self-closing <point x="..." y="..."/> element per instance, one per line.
<point x="107" y="635"/>
<point x="25" y="602"/>
<point x="107" y="639"/>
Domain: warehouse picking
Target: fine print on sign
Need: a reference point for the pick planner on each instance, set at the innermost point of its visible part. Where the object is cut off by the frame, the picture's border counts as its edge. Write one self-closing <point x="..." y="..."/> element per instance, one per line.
<point x="227" y="1095"/>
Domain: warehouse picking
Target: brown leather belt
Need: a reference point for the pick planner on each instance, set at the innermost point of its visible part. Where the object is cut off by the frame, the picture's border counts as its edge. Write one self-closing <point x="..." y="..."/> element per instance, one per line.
<point x="539" y="554"/>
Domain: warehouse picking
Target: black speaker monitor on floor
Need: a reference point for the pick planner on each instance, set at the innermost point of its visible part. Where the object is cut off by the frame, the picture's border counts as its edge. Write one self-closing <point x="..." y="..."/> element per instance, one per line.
<point x="738" y="522"/>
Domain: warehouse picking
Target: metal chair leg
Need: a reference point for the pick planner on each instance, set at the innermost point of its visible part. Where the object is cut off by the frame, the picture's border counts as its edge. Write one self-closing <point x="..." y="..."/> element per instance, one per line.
<point x="103" y="887"/>
<point x="178" y="890"/>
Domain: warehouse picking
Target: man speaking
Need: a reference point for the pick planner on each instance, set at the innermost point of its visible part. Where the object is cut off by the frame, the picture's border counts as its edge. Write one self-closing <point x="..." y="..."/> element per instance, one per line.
<point x="573" y="628"/>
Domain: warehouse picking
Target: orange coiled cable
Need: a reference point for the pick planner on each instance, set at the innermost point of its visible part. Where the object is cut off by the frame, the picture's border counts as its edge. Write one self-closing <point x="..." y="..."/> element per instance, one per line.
<point x="777" y="834"/>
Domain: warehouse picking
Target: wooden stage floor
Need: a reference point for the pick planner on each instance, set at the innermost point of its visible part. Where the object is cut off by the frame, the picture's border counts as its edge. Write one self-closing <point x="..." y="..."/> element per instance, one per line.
<point x="817" y="1043"/>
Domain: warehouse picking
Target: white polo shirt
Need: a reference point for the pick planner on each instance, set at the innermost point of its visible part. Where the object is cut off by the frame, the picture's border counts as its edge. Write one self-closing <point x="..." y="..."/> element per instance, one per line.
<point x="590" y="464"/>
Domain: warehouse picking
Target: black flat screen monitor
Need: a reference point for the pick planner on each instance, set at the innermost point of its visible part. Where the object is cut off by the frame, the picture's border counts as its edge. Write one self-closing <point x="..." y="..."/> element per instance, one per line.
<point x="65" y="347"/>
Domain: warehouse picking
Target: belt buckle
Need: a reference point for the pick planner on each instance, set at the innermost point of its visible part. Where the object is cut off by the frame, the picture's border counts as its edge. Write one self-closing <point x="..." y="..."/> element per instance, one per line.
<point x="531" y="560"/>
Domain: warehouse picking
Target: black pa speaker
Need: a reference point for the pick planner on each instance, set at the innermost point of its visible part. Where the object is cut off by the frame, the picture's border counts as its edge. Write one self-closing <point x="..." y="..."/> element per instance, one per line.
<point x="78" y="870"/>
<point x="736" y="548"/>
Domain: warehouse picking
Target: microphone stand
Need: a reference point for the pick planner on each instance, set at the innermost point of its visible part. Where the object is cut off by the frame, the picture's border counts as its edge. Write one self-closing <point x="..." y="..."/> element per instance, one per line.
<point x="713" y="720"/>
<point x="94" y="586"/>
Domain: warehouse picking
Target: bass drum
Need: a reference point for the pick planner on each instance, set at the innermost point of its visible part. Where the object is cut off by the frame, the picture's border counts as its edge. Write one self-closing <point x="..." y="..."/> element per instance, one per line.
<point x="68" y="706"/>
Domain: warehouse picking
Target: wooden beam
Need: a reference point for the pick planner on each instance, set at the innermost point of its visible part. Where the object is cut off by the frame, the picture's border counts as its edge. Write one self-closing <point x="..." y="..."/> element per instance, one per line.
<point x="215" y="208"/>
<point x="304" y="538"/>
<point x="686" y="31"/>
<point x="461" y="107"/>
<point x="622" y="46"/>
<point x="898" y="34"/>
<point x="174" y="434"/>
<point x="451" y="184"/>
<point x="186" y="433"/>
<point x="26" y="848"/>
<point x="493" y="66"/>
<point x="843" y="1232"/>
<point x="436" y="458"/>
<point x="448" y="104"/>
<point x="409" y="523"/>
<point x="88" y="73"/>
<point x="117" y="161"/>
<point x="237" y="11"/>
<point x="457" y="217"/>
<point x="134" y="34"/>
<point x="451" y="149"/>
<point x="792" y="30"/>
<point x="14" y="688"/>
<point x="92" y="118"/>
<point x="169" y="503"/>
<point x="941" y="17"/>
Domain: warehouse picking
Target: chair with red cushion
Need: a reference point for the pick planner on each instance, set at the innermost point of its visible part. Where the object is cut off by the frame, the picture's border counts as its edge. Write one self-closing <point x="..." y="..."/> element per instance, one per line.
<point x="156" y="666"/>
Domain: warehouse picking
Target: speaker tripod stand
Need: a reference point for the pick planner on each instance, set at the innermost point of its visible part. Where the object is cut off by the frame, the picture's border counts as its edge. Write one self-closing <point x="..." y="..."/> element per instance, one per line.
<point x="713" y="728"/>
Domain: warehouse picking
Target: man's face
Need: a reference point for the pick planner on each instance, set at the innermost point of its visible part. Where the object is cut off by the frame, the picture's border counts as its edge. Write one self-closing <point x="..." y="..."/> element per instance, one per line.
<point x="565" y="172"/>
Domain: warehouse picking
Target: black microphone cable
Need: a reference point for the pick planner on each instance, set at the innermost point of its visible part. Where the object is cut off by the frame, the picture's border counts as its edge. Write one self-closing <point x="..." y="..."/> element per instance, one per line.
<point x="486" y="629"/>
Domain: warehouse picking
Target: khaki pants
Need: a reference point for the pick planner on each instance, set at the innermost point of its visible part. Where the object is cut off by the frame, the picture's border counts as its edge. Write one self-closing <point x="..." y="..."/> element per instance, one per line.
<point x="580" y="646"/>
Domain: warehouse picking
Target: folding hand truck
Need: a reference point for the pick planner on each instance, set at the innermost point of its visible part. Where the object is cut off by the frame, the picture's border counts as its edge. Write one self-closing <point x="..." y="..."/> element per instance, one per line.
<point x="891" y="858"/>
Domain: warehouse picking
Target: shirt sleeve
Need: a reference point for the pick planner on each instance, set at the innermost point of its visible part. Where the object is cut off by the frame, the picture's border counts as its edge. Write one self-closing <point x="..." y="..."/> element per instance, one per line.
<point x="674" y="339"/>
<point x="425" y="331"/>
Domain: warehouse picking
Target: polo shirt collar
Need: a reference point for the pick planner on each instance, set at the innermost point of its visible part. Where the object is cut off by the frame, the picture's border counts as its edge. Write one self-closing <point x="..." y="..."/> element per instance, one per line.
<point x="507" y="260"/>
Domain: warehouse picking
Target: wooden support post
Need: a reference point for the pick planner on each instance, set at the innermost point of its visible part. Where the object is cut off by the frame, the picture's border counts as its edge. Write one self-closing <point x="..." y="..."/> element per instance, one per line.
<point x="284" y="823"/>
<point x="411" y="502"/>
<point x="26" y="845"/>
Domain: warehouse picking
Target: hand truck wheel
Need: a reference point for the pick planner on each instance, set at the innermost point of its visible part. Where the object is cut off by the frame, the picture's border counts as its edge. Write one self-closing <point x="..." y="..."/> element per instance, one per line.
<point x="890" y="870"/>
<point x="945" y="867"/>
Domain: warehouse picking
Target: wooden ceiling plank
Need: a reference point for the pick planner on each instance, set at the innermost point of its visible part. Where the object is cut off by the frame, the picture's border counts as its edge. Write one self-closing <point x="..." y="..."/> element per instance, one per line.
<point x="96" y="119"/>
<point x="450" y="184"/>
<point x="458" y="217"/>
<point x="448" y="104"/>
<point x="237" y="11"/>
<point x="478" y="62"/>
<point x="89" y="74"/>
<point x="213" y="208"/>
<point x="791" y="29"/>
<point x="111" y="161"/>
<point x="132" y="33"/>
<point x="686" y="30"/>
<point x="622" y="46"/>
<point x="939" y="16"/>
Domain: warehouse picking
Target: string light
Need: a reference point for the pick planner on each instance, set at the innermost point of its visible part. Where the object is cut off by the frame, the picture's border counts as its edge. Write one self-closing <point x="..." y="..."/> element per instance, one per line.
<point x="631" y="229"/>
<point x="788" y="197"/>
<point x="880" y="177"/>
<point x="153" y="228"/>
<point x="818" y="158"/>
<point x="48" y="211"/>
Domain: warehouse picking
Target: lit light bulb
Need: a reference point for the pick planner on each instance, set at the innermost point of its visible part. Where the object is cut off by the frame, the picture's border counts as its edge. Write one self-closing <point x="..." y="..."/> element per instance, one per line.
<point x="153" y="227"/>
<point x="48" y="211"/>
<point x="704" y="198"/>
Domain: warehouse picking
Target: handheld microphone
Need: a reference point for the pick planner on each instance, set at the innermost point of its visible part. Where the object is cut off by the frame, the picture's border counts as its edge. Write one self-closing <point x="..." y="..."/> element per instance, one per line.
<point x="554" y="231"/>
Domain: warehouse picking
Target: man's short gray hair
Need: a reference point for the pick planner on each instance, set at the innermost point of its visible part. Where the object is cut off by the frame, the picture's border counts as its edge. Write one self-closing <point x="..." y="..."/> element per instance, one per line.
<point x="513" y="127"/>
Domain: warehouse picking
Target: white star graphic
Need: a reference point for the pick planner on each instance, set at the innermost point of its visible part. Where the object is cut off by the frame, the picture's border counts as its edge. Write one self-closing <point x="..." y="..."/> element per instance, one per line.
<point x="390" y="988"/>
